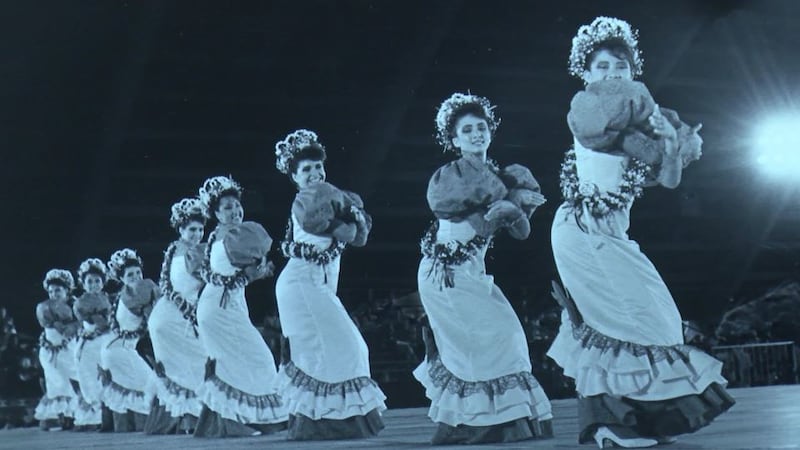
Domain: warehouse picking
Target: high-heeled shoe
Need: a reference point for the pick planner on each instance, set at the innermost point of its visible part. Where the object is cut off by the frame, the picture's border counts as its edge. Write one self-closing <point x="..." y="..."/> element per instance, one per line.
<point x="606" y="438"/>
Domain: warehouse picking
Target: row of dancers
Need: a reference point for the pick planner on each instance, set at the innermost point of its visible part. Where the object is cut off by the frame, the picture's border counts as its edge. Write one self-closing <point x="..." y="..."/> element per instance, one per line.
<point x="621" y="339"/>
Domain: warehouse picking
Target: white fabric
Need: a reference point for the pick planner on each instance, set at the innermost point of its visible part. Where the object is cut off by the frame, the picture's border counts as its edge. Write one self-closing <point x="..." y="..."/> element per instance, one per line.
<point x="59" y="397"/>
<point x="243" y="360"/>
<point x="128" y="369"/>
<point x="620" y="294"/>
<point x="479" y="338"/>
<point x="87" y="363"/>
<point x="176" y="346"/>
<point x="324" y="341"/>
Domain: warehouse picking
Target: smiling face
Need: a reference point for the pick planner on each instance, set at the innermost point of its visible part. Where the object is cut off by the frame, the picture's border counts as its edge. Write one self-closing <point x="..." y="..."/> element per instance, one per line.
<point x="191" y="232"/>
<point x="472" y="135"/>
<point x="56" y="292"/>
<point x="131" y="275"/>
<point x="606" y="66"/>
<point x="309" y="172"/>
<point x="92" y="283"/>
<point x="229" y="211"/>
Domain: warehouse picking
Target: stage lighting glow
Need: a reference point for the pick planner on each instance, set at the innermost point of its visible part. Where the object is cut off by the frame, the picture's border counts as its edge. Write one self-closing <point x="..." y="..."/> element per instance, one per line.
<point x="777" y="145"/>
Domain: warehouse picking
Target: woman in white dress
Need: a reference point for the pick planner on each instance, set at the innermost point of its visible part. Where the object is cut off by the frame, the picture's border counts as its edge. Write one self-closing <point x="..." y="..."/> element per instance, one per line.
<point x="477" y="372"/>
<point x="621" y="334"/>
<point x="240" y="391"/>
<point x="326" y="383"/>
<point x="56" y="409"/>
<point x="180" y="357"/>
<point x="92" y="310"/>
<point x="127" y="378"/>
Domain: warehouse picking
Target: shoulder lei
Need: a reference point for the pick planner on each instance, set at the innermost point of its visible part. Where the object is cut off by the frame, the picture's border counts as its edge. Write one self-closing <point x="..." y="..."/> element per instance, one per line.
<point x="303" y="250"/>
<point x="447" y="255"/>
<point x="579" y="194"/>
<point x="187" y="309"/>
<point x="236" y="281"/>
<point x="229" y="282"/>
<point x="119" y="332"/>
<point x="50" y="347"/>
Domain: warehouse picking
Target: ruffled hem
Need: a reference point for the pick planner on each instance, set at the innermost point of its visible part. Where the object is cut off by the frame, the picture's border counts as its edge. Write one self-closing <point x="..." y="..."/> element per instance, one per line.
<point x="315" y="399"/>
<point x="52" y="408"/>
<point x="233" y="404"/>
<point x="513" y="431"/>
<point x="159" y="421"/>
<point x="656" y="419"/>
<point x="604" y="365"/>
<point x="302" y="428"/>
<point x="481" y="403"/>
<point x="211" y="425"/>
<point x="120" y="399"/>
<point x="176" y="399"/>
<point x="88" y="413"/>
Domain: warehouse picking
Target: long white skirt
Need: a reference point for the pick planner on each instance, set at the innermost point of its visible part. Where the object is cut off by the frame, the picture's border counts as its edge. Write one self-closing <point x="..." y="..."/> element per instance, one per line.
<point x="59" y="367"/>
<point x="631" y="342"/>
<point x="244" y="385"/>
<point x="87" y="363"/>
<point x="130" y="386"/>
<point x="181" y="353"/>
<point x="482" y="373"/>
<point x="329" y="375"/>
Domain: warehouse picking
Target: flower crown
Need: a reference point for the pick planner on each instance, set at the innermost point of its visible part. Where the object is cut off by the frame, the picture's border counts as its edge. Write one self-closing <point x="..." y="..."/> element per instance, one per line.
<point x="445" y="117"/>
<point x="92" y="265"/>
<point x="186" y="210"/>
<point x="213" y="189"/>
<point x="59" y="276"/>
<point x="295" y="141"/>
<point x="122" y="259"/>
<point x="600" y="30"/>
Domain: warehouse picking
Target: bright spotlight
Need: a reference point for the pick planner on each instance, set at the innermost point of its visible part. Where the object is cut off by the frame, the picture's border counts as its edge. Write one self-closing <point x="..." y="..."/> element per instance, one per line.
<point x="777" y="145"/>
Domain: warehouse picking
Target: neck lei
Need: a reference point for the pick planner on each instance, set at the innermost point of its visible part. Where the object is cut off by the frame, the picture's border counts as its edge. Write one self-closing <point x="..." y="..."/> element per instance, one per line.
<point x="187" y="309"/>
<point x="586" y="197"/>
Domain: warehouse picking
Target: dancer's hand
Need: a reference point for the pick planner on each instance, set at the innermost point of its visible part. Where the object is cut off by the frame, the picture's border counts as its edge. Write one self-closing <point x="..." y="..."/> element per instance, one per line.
<point x="269" y="268"/>
<point x="531" y="198"/>
<point x="664" y="129"/>
<point x="263" y="269"/>
<point x="694" y="144"/>
<point x="501" y="209"/>
<point x="358" y="214"/>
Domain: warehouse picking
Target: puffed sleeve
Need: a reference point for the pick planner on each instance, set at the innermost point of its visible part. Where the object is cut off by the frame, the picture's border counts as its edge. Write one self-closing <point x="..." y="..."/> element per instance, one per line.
<point x="507" y="215"/>
<point x="362" y="228"/>
<point x="520" y="183"/>
<point x="63" y="313"/>
<point x="462" y="188"/>
<point x="650" y="149"/>
<point x="601" y="112"/>
<point x="247" y="244"/>
<point x="141" y="296"/>
<point x="90" y="305"/>
<point x="44" y="315"/>
<point x="317" y="209"/>
<point x="194" y="259"/>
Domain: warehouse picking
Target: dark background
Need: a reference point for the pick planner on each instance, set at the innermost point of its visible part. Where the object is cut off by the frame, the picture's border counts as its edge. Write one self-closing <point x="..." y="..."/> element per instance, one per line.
<point x="113" y="110"/>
